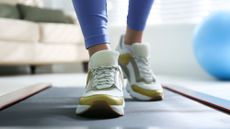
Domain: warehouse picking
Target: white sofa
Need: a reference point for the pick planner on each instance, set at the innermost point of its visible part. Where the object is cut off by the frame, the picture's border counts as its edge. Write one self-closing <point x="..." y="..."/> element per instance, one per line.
<point x="29" y="43"/>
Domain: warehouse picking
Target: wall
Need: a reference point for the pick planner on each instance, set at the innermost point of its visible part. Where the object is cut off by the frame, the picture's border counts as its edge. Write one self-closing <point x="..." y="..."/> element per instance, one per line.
<point x="171" y="47"/>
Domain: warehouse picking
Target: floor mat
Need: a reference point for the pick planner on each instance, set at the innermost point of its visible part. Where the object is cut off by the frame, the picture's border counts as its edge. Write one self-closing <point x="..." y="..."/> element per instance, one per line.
<point x="55" y="107"/>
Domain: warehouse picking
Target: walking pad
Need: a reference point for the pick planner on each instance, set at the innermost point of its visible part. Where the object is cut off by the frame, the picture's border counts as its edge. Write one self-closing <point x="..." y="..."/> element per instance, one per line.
<point x="55" y="108"/>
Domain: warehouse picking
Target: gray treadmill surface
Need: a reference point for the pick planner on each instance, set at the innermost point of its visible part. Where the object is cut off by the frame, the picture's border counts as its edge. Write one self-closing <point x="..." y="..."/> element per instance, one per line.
<point x="55" y="108"/>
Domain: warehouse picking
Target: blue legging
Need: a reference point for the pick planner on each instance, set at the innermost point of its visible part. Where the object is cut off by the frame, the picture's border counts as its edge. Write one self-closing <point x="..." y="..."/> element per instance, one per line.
<point x="92" y="15"/>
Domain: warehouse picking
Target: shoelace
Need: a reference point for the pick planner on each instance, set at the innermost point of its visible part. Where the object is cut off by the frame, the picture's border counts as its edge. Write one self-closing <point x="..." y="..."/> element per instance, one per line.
<point x="144" y="68"/>
<point x="103" y="77"/>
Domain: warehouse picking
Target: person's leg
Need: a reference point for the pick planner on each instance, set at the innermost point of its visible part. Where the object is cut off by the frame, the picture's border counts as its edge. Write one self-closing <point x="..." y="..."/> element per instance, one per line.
<point x="137" y="17"/>
<point x="134" y="55"/>
<point x="92" y="16"/>
<point x="104" y="81"/>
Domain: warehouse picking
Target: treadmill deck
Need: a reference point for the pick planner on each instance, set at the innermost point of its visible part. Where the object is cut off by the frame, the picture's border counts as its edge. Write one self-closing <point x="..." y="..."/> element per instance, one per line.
<point x="55" y="108"/>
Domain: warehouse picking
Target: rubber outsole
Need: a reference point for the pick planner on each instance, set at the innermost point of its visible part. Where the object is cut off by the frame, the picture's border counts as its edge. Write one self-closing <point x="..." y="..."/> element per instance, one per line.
<point x="100" y="109"/>
<point x="139" y="96"/>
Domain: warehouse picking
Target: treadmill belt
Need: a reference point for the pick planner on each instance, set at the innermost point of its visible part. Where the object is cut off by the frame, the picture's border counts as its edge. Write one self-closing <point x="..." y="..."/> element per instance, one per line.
<point x="55" y="108"/>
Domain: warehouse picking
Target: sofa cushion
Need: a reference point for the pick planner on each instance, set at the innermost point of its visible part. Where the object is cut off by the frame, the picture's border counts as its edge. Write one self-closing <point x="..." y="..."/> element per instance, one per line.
<point x="37" y="3"/>
<point x="19" y="53"/>
<point x="37" y="14"/>
<point x="11" y="2"/>
<point x="38" y="53"/>
<point x="9" y="11"/>
<point x="60" y="33"/>
<point x="18" y="30"/>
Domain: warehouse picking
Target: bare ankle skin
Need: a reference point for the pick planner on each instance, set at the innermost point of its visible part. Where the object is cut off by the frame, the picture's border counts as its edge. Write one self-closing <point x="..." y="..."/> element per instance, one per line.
<point x="97" y="48"/>
<point x="133" y="36"/>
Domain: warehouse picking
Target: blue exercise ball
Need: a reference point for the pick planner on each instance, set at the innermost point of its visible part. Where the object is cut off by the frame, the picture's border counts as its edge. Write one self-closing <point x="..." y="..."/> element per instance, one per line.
<point x="212" y="44"/>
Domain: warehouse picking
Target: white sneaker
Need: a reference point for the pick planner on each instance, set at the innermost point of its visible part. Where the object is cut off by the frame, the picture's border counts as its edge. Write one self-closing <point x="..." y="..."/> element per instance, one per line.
<point x="104" y="88"/>
<point x="135" y="63"/>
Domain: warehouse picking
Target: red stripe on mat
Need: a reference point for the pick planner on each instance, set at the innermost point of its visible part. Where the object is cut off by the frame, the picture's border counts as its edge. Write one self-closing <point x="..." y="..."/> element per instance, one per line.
<point x="211" y="101"/>
<point x="21" y="94"/>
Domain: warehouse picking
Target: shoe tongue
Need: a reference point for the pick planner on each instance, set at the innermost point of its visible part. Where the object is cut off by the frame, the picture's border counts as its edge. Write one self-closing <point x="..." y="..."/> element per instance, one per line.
<point x="140" y="50"/>
<point x="104" y="58"/>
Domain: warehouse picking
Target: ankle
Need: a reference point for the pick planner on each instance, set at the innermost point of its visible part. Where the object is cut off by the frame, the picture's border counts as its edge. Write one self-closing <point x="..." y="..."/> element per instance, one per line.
<point x="133" y="36"/>
<point x="97" y="48"/>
